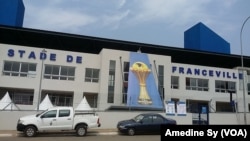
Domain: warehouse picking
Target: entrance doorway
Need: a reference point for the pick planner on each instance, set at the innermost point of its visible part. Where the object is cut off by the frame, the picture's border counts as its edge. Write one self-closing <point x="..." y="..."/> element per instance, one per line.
<point x="200" y="111"/>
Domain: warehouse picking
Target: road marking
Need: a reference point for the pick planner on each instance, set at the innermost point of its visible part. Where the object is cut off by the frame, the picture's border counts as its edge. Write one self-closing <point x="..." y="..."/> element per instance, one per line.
<point x="5" y="135"/>
<point x="108" y="133"/>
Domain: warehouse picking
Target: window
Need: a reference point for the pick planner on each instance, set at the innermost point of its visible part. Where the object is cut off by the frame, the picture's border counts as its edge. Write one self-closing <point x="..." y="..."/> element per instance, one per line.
<point x="92" y="99"/>
<point x="195" y="106"/>
<point x="225" y="86"/>
<point x="174" y="82"/>
<point x="61" y="99"/>
<point x="125" y="81"/>
<point x="50" y="114"/>
<point x="224" y="107"/>
<point x="111" y="81"/>
<point x="248" y="88"/>
<point x="20" y="69"/>
<point x="248" y="107"/>
<point x="92" y="75"/>
<point x="23" y="98"/>
<point x="19" y="96"/>
<point x="59" y="72"/>
<point x="147" y="120"/>
<point x="161" y="80"/>
<point x="64" y="113"/>
<point x="157" y="119"/>
<point x="175" y="102"/>
<point x="196" y="84"/>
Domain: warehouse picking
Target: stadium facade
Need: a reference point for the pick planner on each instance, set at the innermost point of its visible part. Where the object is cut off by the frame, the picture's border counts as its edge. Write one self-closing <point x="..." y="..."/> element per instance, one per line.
<point x="118" y="75"/>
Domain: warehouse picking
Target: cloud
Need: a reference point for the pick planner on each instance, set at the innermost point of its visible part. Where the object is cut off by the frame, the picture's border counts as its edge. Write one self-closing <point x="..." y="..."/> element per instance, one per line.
<point x="168" y="11"/>
<point x="72" y="16"/>
<point x="114" y="20"/>
<point x="176" y="12"/>
<point x="117" y="17"/>
<point x="57" y="19"/>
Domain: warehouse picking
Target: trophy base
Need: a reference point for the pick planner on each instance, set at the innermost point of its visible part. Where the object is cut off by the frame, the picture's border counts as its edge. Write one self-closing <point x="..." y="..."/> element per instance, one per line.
<point x="145" y="101"/>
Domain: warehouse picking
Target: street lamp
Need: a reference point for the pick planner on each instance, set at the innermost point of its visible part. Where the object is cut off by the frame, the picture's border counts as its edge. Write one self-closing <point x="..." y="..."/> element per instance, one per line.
<point x="42" y="57"/>
<point x="242" y="65"/>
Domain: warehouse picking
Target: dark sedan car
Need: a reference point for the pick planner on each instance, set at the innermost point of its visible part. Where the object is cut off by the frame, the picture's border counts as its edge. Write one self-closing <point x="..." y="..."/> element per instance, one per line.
<point x="144" y="123"/>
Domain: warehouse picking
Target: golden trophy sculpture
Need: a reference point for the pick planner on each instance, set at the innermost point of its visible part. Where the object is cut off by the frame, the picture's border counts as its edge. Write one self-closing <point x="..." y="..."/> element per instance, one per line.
<point x="141" y="71"/>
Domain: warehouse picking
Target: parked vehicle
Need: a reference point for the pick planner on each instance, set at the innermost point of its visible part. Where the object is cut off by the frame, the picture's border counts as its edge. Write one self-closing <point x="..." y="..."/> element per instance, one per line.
<point x="144" y="123"/>
<point x="58" y="119"/>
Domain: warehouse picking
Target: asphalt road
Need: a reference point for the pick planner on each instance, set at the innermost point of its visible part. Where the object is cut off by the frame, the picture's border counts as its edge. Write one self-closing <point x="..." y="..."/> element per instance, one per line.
<point x="70" y="137"/>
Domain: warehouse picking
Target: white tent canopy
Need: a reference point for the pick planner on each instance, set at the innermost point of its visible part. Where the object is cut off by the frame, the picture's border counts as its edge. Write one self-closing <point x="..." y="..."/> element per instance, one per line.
<point x="83" y="105"/>
<point x="6" y="103"/>
<point x="45" y="104"/>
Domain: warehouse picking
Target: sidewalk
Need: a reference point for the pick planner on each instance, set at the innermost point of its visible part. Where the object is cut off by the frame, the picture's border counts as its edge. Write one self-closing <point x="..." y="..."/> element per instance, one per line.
<point x="12" y="133"/>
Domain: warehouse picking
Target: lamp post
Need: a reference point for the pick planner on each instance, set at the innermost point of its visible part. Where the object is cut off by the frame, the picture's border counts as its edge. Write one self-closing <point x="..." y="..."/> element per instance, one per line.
<point x="42" y="57"/>
<point x="242" y="65"/>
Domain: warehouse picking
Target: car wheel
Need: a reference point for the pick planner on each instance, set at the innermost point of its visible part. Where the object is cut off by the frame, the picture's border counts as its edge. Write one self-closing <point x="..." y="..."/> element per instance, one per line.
<point x="131" y="131"/>
<point x="30" y="131"/>
<point x="81" y="130"/>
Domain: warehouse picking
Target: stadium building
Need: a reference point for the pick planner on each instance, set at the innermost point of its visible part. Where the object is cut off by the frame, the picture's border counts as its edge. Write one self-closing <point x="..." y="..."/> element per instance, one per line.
<point x="115" y="74"/>
<point x="122" y="75"/>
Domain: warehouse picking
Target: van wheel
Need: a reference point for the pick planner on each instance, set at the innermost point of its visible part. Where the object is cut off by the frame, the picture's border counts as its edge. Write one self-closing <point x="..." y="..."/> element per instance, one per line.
<point x="30" y="131"/>
<point x="131" y="131"/>
<point x="81" y="130"/>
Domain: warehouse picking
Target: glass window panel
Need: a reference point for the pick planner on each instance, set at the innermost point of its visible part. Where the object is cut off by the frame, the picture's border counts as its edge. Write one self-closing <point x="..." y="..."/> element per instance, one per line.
<point x="64" y="71"/>
<point x="125" y="76"/>
<point x="217" y="84"/>
<point x="71" y="78"/>
<point x="47" y="76"/>
<point x="161" y="70"/>
<point x="87" y="79"/>
<point x="55" y="70"/>
<point x="174" y="80"/>
<point x="23" y="75"/>
<point x="88" y="73"/>
<point x="14" y="74"/>
<point x="7" y="66"/>
<point x="248" y="88"/>
<point x="32" y="67"/>
<point x="16" y="66"/>
<point x="200" y="82"/>
<point x="63" y="78"/>
<point x="112" y="65"/>
<point x="111" y="75"/>
<point x="193" y="82"/>
<point x="187" y="81"/>
<point x="223" y="85"/>
<point x="48" y="69"/>
<point x="160" y="80"/>
<point x="71" y="71"/>
<point x="95" y="80"/>
<point x="205" y="83"/>
<point x="6" y="73"/>
<point x="232" y="85"/>
<point x="95" y="73"/>
<point x="24" y="67"/>
<point x="126" y="67"/>
<point x="55" y="77"/>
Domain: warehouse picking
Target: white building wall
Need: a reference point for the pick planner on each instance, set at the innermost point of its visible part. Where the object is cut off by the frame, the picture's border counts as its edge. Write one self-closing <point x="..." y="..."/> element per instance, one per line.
<point x="210" y="95"/>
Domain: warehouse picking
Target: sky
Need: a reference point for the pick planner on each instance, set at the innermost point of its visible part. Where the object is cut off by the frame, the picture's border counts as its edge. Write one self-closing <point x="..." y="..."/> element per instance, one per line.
<point x="157" y="22"/>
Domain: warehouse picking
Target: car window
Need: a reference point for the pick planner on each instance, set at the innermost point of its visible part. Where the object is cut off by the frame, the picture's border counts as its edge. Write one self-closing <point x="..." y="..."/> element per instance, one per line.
<point x="147" y="120"/>
<point x="157" y="119"/>
<point x="64" y="113"/>
<point x="50" y="114"/>
<point x="138" y="118"/>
